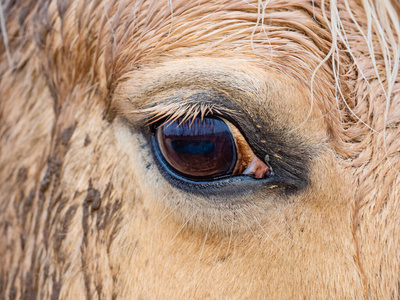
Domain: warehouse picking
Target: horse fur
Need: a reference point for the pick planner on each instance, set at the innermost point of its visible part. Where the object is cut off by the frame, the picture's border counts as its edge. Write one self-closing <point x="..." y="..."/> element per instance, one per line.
<point x="85" y="212"/>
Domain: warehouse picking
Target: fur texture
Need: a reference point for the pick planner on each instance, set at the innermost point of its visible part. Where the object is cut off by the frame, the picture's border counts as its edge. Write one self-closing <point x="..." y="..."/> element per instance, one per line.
<point x="84" y="210"/>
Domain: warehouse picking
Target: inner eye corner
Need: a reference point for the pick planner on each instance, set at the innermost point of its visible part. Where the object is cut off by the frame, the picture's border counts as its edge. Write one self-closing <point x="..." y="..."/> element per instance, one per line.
<point x="206" y="148"/>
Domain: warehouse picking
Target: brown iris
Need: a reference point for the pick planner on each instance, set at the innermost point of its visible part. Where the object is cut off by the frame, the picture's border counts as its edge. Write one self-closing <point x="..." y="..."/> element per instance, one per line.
<point x="208" y="148"/>
<point x="198" y="148"/>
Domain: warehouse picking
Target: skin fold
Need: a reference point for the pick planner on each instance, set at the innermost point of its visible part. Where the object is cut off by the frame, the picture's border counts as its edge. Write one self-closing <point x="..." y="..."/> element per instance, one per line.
<point x="88" y="211"/>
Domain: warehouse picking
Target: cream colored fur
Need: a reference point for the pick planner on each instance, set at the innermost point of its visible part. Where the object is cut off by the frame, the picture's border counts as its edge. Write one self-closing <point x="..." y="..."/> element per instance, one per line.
<point x="86" y="213"/>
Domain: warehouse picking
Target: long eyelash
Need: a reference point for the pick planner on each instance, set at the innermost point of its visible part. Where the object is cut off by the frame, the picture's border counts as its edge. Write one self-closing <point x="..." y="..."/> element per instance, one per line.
<point x="167" y="112"/>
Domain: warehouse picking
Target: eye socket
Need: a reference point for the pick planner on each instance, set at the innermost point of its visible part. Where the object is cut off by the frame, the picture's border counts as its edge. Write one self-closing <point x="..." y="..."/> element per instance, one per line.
<point x="207" y="149"/>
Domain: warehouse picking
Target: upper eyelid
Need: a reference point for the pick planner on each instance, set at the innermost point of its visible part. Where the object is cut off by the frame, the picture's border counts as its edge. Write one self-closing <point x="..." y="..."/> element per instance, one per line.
<point x="194" y="73"/>
<point x="141" y="90"/>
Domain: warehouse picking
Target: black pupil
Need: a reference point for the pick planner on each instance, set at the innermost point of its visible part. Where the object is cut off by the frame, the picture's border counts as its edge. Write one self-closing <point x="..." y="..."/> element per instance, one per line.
<point x="199" y="148"/>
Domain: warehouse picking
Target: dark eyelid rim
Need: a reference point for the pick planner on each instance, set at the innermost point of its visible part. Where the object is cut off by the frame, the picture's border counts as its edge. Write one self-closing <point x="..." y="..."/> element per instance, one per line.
<point x="228" y="186"/>
<point x="223" y="186"/>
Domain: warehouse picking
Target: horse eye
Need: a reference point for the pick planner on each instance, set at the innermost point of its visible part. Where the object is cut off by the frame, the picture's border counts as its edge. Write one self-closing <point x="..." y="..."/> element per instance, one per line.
<point x="206" y="149"/>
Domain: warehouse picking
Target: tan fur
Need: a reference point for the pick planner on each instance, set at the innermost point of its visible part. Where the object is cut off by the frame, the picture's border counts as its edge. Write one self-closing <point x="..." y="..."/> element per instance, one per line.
<point x="86" y="213"/>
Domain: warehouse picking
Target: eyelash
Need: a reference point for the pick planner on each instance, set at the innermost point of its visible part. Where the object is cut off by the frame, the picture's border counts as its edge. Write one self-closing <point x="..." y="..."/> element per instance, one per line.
<point x="156" y="114"/>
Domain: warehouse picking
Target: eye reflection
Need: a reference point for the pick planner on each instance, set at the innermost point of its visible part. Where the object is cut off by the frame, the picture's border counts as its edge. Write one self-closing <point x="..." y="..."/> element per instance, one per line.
<point x="199" y="148"/>
<point x="208" y="148"/>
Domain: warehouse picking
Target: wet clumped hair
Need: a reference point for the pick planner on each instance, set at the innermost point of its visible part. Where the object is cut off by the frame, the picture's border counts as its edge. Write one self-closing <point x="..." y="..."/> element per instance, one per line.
<point x="79" y="53"/>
